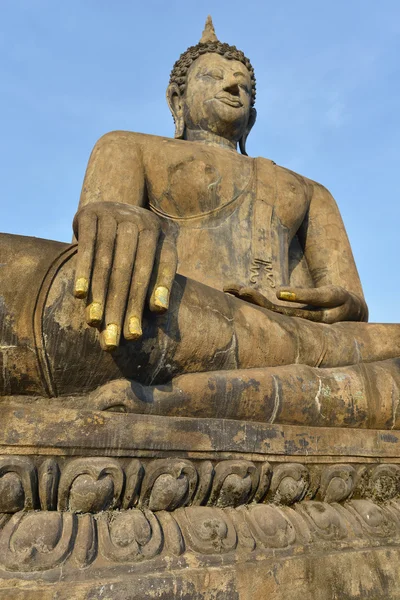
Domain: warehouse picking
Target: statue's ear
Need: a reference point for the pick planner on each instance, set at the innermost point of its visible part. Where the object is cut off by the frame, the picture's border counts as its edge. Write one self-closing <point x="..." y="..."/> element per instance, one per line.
<point x="175" y="104"/>
<point x="250" y="123"/>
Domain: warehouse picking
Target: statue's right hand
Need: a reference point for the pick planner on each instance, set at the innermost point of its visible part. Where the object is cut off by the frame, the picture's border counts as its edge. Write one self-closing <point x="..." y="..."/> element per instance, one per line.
<point x="119" y="247"/>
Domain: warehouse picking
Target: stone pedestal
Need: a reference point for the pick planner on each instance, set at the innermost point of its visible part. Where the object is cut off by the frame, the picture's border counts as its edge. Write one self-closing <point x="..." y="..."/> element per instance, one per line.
<point x="100" y="505"/>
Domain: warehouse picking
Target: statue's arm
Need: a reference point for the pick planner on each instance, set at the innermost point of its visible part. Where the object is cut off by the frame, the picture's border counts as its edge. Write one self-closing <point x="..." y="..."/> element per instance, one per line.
<point x="337" y="293"/>
<point x="330" y="261"/>
<point x="120" y="243"/>
<point x="115" y="171"/>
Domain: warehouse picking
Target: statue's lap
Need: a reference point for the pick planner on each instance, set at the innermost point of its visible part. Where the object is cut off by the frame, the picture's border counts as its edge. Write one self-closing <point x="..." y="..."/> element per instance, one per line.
<point x="229" y="367"/>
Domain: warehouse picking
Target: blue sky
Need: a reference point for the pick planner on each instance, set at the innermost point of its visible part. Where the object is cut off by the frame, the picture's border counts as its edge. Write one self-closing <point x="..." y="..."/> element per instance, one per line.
<point x="328" y="101"/>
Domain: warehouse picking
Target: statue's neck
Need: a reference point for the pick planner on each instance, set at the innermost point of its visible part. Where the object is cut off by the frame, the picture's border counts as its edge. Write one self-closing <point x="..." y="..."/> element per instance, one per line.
<point x="200" y="135"/>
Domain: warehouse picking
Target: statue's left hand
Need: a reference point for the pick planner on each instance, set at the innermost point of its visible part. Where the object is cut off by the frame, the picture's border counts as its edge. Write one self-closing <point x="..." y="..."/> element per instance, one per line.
<point x="331" y="303"/>
<point x="327" y="304"/>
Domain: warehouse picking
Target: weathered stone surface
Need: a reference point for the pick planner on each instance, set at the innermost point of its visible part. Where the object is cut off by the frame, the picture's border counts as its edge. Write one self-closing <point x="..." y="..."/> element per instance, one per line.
<point x="93" y="484"/>
<point x="268" y="542"/>
<point x="30" y="428"/>
<point x="193" y="404"/>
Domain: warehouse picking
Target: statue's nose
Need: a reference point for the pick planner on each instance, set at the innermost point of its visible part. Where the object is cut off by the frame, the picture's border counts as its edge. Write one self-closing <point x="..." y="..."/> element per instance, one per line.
<point x="233" y="88"/>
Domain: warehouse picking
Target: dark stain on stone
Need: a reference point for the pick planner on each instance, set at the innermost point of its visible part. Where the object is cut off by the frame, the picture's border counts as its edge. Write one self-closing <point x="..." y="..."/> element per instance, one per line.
<point x="389" y="437"/>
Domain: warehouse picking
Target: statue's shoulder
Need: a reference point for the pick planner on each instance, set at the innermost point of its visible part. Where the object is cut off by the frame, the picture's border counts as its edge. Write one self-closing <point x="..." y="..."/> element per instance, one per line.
<point x="284" y="175"/>
<point x="268" y="170"/>
<point x="131" y="138"/>
<point x="318" y="190"/>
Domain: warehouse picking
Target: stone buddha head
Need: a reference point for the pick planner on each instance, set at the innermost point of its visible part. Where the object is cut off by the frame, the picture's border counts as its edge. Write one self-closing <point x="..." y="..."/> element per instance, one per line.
<point x="212" y="89"/>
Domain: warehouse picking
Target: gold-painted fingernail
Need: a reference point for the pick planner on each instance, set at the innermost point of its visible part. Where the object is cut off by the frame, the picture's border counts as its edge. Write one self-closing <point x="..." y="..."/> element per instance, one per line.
<point x="95" y="313"/>
<point x="134" y="329"/>
<point x="110" y="336"/>
<point x="287" y="296"/>
<point x="81" y="287"/>
<point x="161" y="297"/>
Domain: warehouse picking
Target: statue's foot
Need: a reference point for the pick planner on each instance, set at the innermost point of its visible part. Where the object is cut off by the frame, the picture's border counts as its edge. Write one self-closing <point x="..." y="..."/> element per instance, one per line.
<point x="364" y="395"/>
<point x="120" y="395"/>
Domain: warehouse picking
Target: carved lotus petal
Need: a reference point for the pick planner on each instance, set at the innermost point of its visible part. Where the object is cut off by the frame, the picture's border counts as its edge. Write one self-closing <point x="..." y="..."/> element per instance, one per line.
<point x="130" y="527"/>
<point x="373" y="518"/>
<point x="386" y="487"/>
<point x="90" y="495"/>
<point x="338" y="489"/>
<point x="371" y="513"/>
<point x="235" y="490"/>
<point x="322" y="515"/>
<point x="289" y="483"/>
<point x="268" y="519"/>
<point x="326" y="520"/>
<point x="337" y="483"/>
<point x="212" y="528"/>
<point x="168" y="492"/>
<point x="12" y="496"/>
<point x="385" y="482"/>
<point x="37" y="530"/>
<point x="207" y="523"/>
<point x="207" y="530"/>
<point x="290" y="490"/>
<point x="128" y="536"/>
<point x="271" y="526"/>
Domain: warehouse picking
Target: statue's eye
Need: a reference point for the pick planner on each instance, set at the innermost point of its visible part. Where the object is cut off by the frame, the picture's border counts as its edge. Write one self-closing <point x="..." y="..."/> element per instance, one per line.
<point x="214" y="73"/>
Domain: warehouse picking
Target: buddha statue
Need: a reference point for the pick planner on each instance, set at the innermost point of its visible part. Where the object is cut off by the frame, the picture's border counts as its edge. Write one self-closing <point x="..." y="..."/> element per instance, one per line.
<point x="201" y="281"/>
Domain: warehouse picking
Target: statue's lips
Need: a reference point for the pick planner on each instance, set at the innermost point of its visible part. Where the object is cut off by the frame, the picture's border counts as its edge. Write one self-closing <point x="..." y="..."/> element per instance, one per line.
<point x="229" y="100"/>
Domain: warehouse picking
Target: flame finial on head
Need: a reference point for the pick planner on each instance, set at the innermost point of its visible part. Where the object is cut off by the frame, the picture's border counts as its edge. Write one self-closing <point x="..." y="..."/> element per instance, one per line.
<point x="209" y="43"/>
<point x="209" y="34"/>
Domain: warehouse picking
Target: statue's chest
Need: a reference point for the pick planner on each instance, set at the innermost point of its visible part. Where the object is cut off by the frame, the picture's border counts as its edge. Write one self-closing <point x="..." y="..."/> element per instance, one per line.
<point x="232" y="217"/>
<point x="197" y="183"/>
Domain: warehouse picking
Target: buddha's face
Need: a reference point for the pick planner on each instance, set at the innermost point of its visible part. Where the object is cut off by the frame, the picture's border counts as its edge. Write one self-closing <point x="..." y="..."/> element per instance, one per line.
<point x="218" y="96"/>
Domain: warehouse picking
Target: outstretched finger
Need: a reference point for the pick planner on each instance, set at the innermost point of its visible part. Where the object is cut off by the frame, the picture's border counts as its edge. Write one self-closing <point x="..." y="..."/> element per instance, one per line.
<point x="165" y="270"/>
<point x="323" y="297"/>
<point x="144" y="261"/>
<point x="119" y="284"/>
<point x="233" y="289"/>
<point x="87" y="238"/>
<point x="255" y="297"/>
<point x="106" y="232"/>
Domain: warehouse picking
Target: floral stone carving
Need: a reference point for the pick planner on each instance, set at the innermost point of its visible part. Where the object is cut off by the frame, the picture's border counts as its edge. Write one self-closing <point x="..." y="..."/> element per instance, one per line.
<point x="94" y="484"/>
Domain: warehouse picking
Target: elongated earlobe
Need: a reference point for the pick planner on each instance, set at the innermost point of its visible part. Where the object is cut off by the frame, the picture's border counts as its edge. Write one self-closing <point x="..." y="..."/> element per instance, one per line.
<point x="175" y="105"/>
<point x="242" y="141"/>
<point x="179" y="128"/>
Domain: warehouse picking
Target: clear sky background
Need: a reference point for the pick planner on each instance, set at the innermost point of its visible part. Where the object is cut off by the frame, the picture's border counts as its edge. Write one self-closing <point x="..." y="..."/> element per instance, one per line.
<point x="328" y="101"/>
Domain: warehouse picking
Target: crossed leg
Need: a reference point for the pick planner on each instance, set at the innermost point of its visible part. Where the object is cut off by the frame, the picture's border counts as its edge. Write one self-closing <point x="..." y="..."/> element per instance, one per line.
<point x="365" y="395"/>
<point x="210" y="355"/>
